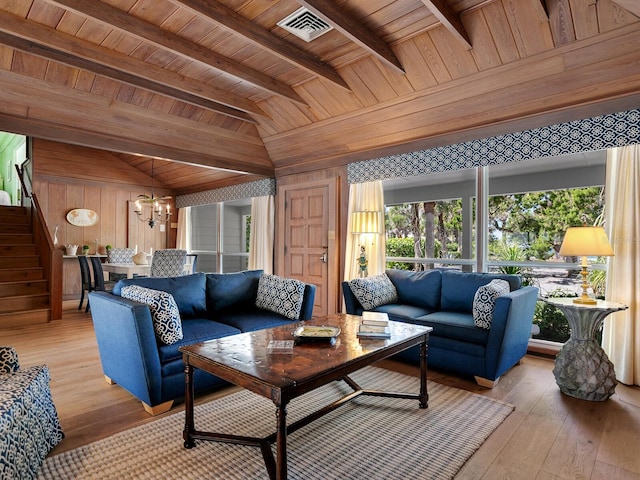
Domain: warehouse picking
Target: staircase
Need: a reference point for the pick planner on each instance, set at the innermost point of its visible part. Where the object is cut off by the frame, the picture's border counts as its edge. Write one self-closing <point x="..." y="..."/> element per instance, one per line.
<point x="24" y="295"/>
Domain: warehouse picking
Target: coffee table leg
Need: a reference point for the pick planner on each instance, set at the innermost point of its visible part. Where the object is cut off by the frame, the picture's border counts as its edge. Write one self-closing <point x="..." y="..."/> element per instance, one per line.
<point x="281" y="441"/>
<point x="189" y="426"/>
<point x="424" y="396"/>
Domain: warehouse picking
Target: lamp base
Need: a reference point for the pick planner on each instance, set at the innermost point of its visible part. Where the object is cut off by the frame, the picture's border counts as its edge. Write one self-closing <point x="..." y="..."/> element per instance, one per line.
<point x="585" y="300"/>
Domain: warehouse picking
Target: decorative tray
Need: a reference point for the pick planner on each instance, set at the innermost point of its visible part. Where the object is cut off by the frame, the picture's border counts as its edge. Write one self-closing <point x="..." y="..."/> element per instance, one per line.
<point x="316" y="333"/>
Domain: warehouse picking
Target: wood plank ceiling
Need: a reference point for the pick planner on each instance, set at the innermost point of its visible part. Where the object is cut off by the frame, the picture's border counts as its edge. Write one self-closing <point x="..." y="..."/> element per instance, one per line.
<point x="227" y="95"/>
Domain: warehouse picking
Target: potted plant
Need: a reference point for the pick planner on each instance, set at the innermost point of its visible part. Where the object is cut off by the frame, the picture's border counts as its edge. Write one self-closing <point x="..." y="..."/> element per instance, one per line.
<point x="107" y="247"/>
<point x="85" y="249"/>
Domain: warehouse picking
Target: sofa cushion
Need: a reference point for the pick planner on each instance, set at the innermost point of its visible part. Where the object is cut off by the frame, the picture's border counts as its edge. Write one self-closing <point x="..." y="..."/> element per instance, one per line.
<point x="459" y="288"/>
<point x="252" y="319"/>
<point x="195" y="330"/>
<point x="280" y="295"/>
<point x="164" y="311"/>
<point x="188" y="291"/>
<point x="374" y="291"/>
<point x="417" y="288"/>
<point x="484" y="302"/>
<point x="403" y="312"/>
<point x="455" y="325"/>
<point x="226" y="290"/>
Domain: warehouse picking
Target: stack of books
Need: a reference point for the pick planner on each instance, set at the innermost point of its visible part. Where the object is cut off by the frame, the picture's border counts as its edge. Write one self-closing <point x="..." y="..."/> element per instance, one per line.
<point x="374" y="325"/>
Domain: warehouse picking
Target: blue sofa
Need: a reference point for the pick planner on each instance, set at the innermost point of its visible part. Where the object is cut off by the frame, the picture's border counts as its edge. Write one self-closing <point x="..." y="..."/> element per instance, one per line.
<point x="210" y="306"/>
<point x="443" y="299"/>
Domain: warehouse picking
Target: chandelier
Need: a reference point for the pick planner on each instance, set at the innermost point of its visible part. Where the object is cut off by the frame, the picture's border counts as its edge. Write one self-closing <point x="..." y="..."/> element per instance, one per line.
<point x="154" y="206"/>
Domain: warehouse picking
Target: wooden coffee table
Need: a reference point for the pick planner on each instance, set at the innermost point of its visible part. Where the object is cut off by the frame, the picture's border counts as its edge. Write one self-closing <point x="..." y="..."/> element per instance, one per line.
<point x="243" y="360"/>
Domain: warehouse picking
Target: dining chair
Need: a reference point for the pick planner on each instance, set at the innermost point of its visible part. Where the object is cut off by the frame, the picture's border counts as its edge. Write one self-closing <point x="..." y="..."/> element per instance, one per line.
<point x="120" y="255"/>
<point x="168" y="262"/>
<point x="192" y="260"/>
<point x="85" y="277"/>
<point x="99" y="283"/>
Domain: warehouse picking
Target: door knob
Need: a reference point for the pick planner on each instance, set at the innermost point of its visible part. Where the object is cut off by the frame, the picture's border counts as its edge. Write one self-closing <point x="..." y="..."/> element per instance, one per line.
<point x="323" y="257"/>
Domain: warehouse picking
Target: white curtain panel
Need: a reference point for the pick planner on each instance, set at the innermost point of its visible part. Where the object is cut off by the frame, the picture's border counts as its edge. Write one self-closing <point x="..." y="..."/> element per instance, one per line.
<point x="183" y="242"/>
<point x="621" y="334"/>
<point x="262" y="233"/>
<point x="365" y="196"/>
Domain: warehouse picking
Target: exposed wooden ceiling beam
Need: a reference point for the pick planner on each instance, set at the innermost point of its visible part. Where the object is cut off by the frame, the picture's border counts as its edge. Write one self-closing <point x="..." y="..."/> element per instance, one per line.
<point x="108" y="141"/>
<point x="121" y="20"/>
<point x="237" y="24"/>
<point x="632" y="5"/>
<point x="355" y="31"/>
<point x="46" y="42"/>
<point x="449" y="19"/>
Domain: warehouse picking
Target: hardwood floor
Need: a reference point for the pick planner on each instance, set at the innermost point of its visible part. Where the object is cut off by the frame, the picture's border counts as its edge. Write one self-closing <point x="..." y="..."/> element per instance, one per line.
<point x="549" y="436"/>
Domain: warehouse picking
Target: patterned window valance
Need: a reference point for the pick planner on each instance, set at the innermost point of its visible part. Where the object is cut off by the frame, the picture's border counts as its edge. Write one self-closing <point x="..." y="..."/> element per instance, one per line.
<point x="597" y="133"/>
<point x="259" y="188"/>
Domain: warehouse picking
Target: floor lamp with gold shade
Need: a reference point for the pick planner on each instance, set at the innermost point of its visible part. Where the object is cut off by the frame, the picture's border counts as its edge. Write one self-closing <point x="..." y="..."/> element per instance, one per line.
<point x="585" y="242"/>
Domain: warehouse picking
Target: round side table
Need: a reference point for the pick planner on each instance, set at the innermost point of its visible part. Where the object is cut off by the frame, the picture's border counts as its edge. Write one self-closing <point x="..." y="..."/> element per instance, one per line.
<point x="582" y="368"/>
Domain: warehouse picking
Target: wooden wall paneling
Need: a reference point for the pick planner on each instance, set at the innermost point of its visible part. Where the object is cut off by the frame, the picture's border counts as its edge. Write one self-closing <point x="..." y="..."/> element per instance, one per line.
<point x="122" y="219"/>
<point x="108" y="218"/>
<point x="92" y="202"/>
<point x="74" y="199"/>
<point x="56" y="202"/>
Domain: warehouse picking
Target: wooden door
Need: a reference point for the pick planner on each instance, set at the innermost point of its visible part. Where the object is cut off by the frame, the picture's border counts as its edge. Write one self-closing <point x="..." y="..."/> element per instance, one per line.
<point x="310" y="253"/>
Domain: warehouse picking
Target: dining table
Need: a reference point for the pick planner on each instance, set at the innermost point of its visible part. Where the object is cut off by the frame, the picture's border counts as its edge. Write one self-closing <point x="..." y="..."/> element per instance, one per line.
<point x="129" y="269"/>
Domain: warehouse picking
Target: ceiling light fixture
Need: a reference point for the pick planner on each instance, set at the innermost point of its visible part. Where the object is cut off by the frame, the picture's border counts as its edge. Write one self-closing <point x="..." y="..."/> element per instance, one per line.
<point x="155" y="204"/>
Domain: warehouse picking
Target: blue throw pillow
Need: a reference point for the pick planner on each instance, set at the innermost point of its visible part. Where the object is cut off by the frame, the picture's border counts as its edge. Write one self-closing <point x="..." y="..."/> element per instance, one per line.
<point x="421" y="289"/>
<point x="164" y="311"/>
<point x="280" y="295"/>
<point x="228" y="290"/>
<point x="188" y="291"/>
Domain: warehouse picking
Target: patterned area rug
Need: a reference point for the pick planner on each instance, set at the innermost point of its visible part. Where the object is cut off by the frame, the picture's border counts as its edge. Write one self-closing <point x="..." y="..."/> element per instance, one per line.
<point x="368" y="438"/>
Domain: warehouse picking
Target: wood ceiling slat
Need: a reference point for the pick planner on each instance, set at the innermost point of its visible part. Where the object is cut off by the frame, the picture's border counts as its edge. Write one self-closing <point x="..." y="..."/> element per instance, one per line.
<point x="561" y="22"/>
<point x="529" y="20"/>
<point x="611" y="16"/>
<point x="496" y="18"/>
<point x="449" y="19"/>
<point x="177" y="44"/>
<point x="433" y="59"/>
<point x="457" y="58"/>
<point x="485" y="51"/>
<point x="262" y="38"/>
<point x="585" y="18"/>
<point x="419" y="75"/>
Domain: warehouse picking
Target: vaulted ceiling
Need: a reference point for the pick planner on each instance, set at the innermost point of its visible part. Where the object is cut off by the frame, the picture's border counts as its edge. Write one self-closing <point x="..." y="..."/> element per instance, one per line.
<point x="228" y="95"/>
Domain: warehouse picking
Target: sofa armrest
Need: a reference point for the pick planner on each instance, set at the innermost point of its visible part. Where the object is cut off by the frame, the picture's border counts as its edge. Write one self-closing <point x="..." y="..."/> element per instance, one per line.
<point x="510" y="330"/>
<point x="306" y="312"/>
<point x="127" y="345"/>
<point x="352" y="305"/>
<point x="8" y="360"/>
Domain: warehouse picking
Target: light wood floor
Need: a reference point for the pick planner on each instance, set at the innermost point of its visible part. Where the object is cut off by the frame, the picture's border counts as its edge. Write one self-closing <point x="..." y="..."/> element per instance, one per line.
<point x="549" y="436"/>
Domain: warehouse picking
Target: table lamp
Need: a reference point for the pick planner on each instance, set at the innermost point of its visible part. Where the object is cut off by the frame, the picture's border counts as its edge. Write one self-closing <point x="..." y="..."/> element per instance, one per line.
<point x="583" y="242"/>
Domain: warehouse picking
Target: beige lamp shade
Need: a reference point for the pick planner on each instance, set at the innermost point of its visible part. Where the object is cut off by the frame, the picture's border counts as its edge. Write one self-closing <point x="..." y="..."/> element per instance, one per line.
<point x="585" y="242"/>
<point x="366" y="222"/>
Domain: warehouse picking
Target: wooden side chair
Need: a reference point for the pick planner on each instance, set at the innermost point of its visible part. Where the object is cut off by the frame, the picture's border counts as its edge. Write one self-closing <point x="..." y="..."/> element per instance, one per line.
<point x="87" y="284"/>
<point x="99" y="283"/>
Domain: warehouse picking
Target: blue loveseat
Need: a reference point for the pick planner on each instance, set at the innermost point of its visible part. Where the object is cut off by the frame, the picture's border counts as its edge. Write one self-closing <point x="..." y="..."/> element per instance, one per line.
<point x="210" y="306"/>
<point x="444" y="300"/>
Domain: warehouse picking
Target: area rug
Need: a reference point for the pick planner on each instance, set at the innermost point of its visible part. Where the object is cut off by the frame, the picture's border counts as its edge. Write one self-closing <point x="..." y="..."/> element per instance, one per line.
<point x="368" y="438"/>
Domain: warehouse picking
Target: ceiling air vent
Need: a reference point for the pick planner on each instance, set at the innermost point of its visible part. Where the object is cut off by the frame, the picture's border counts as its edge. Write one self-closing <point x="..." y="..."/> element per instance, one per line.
<point x="305" y="25"/>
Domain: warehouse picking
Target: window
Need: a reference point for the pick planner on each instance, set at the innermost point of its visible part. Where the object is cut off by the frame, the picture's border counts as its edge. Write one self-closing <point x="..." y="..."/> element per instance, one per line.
<point x="219" y="236"/>
<point x="529" y="205"/>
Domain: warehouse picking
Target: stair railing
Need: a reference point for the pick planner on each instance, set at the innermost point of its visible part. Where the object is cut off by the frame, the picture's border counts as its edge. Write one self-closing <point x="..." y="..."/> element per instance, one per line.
<point x="51" y="257"/>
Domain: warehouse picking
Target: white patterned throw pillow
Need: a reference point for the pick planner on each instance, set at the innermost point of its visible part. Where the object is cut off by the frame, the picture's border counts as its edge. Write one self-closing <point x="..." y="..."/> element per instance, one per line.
<point x="280" y="295"/>
<point x="164" y="311"/>
<point x="484" y="302"/>
<point x="374" y="291"/>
